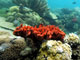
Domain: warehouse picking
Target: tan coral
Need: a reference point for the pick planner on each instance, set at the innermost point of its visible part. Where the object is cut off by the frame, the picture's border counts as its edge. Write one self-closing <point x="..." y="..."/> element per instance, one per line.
<point x="55" y="50"/>
<point x="4" y="37"/>
<point x="71" y="38"/>
<point x="74" y="41"/>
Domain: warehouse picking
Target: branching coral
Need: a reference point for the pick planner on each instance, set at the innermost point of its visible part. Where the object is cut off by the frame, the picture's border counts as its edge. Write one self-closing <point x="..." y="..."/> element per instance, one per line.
<point x="39" y="6"/>
<point x="40" y="33"/>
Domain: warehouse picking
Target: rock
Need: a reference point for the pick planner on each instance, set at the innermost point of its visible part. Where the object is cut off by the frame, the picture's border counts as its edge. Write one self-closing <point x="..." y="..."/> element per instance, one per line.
<point x="10" y="46"/>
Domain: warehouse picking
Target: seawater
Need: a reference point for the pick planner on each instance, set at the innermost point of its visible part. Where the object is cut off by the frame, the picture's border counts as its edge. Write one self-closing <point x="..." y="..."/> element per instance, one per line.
<point x="63" y="4"/>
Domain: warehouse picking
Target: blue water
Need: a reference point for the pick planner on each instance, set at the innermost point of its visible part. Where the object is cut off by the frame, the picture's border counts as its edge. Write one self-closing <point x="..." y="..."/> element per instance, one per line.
<point x="63" y="4"/>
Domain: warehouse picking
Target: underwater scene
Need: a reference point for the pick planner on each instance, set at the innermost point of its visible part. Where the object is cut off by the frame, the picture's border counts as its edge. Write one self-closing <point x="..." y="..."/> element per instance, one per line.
<point x="39" y="29"/>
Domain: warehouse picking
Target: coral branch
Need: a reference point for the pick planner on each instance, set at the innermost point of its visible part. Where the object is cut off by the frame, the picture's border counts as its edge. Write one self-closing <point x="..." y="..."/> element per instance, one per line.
<point x="40" y="33"/>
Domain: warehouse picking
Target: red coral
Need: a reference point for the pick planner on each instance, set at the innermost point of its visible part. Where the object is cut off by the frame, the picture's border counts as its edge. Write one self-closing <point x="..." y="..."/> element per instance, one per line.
<point x="40" y="33"/>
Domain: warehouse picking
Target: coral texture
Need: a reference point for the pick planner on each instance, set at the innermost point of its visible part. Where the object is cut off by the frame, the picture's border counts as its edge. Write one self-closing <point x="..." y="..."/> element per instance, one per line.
<point x="76" y="52"/>
<point x="24" y="16"/>
<point x="4" y="37"/>
<point x="54" y="50"/>
<point x="68" y="19"/>
<point x="10" y="47"/>
<point x="39" y="6"/>
<point x="74" y="41"/>
<point x="72" y="38"/>
<point x="13" y="51"/>
<point x="14" y="9"/>
<point x="40" y="33"/>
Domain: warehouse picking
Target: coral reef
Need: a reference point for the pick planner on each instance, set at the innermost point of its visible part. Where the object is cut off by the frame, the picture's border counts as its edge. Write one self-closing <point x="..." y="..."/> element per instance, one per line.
<point x="25" y="16"/>
<point x="66" y="11"/>
<point x="14" y="50"/>
<point x="69" y="18"/>
<point x="76" y="52"/>
<point x="40" y="33"/>
<point x="36" y="36"/>
<point x="74" y="42"/>
<point x="36" y="45"/>
<point x="10" y="47"/>
<point x="72" y="38"/>
<point x="4" y="37"/>
<point x="39" y="6"/>
<point x="14" y="9"/>
<point x="31" y="13"/>
<point x="54" y="50"/>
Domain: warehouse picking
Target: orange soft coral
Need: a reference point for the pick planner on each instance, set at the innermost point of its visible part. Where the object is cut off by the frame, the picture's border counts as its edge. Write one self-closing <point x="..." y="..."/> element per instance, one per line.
<point x="40" y="33"/>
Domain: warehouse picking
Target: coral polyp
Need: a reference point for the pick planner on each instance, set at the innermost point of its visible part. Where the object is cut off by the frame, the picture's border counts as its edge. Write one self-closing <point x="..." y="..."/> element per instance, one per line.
<point x="39" y="33"/>
<point x="55" y="50"/>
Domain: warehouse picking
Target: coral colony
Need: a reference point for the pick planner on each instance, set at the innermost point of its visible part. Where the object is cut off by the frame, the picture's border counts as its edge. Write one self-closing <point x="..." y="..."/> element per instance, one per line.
<point x="40" y="33"/>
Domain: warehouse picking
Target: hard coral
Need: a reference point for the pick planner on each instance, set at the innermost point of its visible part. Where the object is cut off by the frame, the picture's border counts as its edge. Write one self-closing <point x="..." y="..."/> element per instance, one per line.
<point x="40" y="33"/>
<point x="39" y="6"/>
<point x="54" y="50"/>
<point x="71" y="38"/>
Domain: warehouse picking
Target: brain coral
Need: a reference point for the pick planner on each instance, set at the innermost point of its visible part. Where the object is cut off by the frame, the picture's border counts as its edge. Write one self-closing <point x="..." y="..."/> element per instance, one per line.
<point x="39" y="33"/>
<point x="54" y="50"/>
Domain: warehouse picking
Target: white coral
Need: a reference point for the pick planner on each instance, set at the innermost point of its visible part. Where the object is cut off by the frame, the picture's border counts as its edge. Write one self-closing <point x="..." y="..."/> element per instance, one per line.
<point x="57" y="51"/>
<point x="71" y="38"/>
<point x="50" y="43"/>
